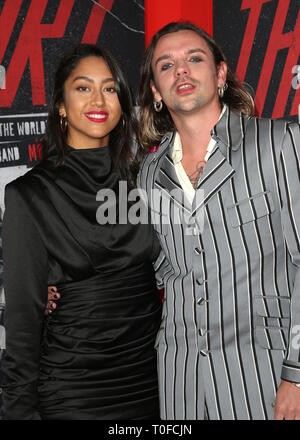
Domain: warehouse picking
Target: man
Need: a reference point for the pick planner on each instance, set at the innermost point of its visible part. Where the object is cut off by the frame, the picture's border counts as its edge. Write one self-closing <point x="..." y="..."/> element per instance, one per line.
<point x="228" y="346"/>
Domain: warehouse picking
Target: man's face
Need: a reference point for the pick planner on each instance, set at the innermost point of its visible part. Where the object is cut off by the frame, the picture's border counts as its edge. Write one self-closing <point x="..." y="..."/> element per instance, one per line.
<point x="185" y="75"/>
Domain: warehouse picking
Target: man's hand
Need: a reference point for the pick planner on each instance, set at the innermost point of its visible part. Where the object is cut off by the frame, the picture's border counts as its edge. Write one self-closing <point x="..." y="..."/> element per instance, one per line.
<point x="53" y="295"/>
<point x="287" y="404"/>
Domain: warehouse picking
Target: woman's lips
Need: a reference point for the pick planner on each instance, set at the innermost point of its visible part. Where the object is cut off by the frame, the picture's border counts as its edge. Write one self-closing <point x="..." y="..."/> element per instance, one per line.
<point x="97" y="116"/>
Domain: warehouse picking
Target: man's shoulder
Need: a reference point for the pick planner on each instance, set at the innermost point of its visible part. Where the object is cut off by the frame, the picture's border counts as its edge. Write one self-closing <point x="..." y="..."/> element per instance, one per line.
<point x="159" y="150"/>
<point x="276" y="133"/>
<point x="150" y="155"/>
<point x="152" y="160"/>
<point x="279" y="124"/>
<point x="274" y="129"/>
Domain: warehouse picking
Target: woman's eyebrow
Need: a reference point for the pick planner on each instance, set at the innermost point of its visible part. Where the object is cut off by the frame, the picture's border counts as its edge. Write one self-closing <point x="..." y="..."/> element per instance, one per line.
<point x="86" y="78"/>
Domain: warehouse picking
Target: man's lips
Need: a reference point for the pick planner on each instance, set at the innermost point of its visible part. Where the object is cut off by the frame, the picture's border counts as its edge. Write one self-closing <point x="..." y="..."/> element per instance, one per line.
<point x="184" y="88"/>
<point x="97" y="116"/>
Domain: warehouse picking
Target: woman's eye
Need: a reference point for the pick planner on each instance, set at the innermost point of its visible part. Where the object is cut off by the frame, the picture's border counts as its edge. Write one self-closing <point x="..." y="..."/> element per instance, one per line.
<point x="110" y="89"/>
<point x="82" y="88"/>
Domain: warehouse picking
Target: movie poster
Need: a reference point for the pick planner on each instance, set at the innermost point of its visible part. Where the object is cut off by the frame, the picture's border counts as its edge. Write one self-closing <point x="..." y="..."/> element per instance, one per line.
<point x="261" y="39"/>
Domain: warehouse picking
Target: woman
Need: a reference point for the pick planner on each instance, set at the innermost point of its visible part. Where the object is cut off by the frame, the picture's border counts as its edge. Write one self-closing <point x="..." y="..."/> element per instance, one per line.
<point x="94" y="357"/>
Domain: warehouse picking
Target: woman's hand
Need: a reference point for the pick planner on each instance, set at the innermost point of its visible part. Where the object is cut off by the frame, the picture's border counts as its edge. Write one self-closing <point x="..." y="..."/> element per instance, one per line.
<point x="53" y="296"/>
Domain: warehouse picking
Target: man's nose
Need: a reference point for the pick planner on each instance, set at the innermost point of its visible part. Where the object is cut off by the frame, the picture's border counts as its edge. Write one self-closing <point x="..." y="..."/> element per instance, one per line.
<point x="182" y="68"/>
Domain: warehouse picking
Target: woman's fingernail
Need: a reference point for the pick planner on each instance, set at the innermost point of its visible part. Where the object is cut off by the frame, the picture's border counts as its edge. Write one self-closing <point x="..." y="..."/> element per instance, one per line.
<point x="56" y="296"/>
<point x="52" y="289"/>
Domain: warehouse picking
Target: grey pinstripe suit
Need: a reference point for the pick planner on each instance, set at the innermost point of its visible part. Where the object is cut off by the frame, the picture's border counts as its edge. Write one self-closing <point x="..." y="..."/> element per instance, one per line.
<point x="232" y="292"/>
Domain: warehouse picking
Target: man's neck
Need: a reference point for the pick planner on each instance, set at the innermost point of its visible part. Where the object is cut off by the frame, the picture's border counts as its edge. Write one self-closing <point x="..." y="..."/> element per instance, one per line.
<point x="194" y="130"/>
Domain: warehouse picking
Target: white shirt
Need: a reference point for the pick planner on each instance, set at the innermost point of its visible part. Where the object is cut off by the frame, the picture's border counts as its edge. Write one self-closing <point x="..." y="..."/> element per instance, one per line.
<point x="180" y="171"/>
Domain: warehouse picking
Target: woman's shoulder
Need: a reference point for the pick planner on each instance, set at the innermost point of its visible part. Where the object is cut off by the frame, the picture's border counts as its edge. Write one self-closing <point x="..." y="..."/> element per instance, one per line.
<point x="18" y="184"/>
<point x="31" y="182"/>
<point x="14" y="194"/>
<point x="40" y="170"/>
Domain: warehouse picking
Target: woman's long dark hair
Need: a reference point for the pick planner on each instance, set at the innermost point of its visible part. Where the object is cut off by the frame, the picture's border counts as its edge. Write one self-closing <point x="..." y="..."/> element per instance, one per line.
<point x="123" y="136"/>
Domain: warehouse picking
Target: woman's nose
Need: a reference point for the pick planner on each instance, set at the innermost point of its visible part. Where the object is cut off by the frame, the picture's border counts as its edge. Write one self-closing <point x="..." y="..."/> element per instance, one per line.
<point x="97" y="98"/>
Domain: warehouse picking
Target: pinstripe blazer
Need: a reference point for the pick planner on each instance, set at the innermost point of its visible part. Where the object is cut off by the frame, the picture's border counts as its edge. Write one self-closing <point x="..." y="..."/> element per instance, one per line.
<point x="231" y="271"/>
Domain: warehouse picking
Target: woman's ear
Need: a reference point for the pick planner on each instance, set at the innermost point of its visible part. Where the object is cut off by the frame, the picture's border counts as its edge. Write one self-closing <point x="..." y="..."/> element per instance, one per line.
<point x="62" y="110"/>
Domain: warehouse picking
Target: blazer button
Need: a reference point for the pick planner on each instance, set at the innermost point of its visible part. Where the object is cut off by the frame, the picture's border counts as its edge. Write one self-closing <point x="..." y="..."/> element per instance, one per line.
<point x="200" y="281"/>
<point x="204" y="352"/>
<point x="201" y="301"/>
<point x="202" y="332"/>
<point x="192" y="229"/>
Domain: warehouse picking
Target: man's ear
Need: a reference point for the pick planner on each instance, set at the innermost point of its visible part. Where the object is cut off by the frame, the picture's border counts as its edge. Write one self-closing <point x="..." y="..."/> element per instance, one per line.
<point x="222" y="74"/>
<point x="156" y="95"/>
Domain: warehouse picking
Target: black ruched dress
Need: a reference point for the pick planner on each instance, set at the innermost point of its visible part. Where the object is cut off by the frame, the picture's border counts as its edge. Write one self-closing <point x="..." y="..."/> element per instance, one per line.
<point x="94" y="357"/>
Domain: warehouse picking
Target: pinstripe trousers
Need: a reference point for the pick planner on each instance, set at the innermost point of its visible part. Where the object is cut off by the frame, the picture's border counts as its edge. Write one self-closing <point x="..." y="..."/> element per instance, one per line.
<point x="230" y="267"/>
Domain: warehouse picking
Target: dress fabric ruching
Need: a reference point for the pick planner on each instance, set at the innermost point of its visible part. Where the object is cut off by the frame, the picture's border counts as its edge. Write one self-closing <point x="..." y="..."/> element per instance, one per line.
<point x="94" y="356"/>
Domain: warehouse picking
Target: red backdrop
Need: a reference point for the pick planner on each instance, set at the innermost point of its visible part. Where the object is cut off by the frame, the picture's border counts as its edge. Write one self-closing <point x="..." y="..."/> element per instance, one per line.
<point x="158" y="13"/>
<point x="261" y="39"/>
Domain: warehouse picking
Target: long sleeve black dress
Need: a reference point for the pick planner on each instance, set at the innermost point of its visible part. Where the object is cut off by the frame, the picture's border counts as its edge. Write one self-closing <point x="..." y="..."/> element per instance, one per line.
<point x="94" y="357"/>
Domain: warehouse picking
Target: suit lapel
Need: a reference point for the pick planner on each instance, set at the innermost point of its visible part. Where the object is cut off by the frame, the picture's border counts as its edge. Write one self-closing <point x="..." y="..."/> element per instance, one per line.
<point x="167" y="176"/>
<point x="216" y="173"/>
<point x="228" y="134"/>
<point x="167" y="180"/>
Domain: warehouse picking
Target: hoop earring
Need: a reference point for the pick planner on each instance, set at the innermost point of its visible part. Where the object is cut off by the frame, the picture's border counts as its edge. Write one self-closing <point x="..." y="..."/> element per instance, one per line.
<point x="158" y="105"/>
<point x="222" y="90"/>
<point x="63" y="124"/>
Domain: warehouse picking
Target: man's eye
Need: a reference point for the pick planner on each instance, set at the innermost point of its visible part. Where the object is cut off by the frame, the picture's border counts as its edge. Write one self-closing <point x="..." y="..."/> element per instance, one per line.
<point x="82" y="88"/>
<point x="195" y="59"/>
<point x="166" y="66"/>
